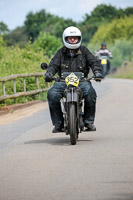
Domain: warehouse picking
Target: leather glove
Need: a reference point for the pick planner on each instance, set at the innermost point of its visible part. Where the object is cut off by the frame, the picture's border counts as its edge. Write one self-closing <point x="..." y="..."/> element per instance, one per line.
<point x="48" y="77"/>
<point x="58" y="79"/>
<point x="98" y="76"/>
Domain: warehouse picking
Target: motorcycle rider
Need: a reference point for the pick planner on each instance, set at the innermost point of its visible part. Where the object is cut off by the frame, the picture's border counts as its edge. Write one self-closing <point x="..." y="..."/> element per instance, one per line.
<point x="103" y="51"/>
<point x="72" y="57"/>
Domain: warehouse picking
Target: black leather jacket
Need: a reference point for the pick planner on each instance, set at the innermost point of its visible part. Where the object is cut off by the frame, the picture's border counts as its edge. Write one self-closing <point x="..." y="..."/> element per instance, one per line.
<point x="81" y="61"/>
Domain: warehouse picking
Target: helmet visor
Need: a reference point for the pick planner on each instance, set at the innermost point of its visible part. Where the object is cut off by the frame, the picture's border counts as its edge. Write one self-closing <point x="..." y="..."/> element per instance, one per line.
<point x="73" y="39"/>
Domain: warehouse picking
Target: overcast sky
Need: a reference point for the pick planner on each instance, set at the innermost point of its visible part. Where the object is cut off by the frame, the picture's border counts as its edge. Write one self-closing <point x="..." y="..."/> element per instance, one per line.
<point x="13" y="12"/>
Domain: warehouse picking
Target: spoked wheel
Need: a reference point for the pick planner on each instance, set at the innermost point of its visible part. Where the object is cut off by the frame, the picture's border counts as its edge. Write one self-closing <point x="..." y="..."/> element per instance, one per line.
<point x="72" y="124"/>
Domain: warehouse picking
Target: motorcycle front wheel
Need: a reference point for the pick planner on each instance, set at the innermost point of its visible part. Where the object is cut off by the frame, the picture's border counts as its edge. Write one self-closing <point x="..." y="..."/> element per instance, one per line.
<point x="72" y="123"/>
<point x="104" y="69"/>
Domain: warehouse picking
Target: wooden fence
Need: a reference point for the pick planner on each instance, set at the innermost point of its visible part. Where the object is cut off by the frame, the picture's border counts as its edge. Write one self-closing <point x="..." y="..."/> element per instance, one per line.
<point x="24" y="93"/>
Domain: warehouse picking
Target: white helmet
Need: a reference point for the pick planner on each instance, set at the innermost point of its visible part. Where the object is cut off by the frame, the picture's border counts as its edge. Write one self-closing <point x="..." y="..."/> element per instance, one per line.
<point x="72" y="31"/>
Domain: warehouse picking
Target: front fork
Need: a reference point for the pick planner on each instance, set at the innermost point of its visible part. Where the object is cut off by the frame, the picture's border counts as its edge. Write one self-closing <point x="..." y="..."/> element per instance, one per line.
<point x="72" y="97"/>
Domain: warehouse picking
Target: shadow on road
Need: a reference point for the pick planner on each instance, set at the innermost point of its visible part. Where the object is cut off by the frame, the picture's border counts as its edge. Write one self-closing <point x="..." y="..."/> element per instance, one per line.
<point x="52" y="141"/>
<point x="55" y="141"/>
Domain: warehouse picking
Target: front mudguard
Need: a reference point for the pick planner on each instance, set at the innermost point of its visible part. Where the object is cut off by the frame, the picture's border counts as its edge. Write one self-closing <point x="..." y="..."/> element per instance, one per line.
<point x="72" y="97"/>
<point x="73" y="94"/>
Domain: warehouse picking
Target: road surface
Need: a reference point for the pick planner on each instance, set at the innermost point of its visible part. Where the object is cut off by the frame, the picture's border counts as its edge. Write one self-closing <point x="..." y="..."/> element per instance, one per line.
<point x="38" y="165"/>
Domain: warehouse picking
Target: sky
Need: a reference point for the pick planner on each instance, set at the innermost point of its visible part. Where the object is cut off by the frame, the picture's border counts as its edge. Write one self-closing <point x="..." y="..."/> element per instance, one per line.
<point x="13" y="12"/>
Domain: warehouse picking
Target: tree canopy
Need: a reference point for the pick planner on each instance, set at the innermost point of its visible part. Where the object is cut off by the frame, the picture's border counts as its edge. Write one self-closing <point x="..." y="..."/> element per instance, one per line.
<point x="117" y="29"/>
<point x="92" y="24"/>
<point x="34" y="23"/>
<point x="48" y="43"/>
<point x="3" y="28"/>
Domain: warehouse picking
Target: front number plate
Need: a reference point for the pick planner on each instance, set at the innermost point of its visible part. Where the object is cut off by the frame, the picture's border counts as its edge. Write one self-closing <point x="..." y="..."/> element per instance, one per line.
<point x="103" y="61"/>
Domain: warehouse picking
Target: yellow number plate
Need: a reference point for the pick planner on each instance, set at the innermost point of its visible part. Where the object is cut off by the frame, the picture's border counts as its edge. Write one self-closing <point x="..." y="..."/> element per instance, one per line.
<point x="72" y="79"/>
<point x="104" y="61"/>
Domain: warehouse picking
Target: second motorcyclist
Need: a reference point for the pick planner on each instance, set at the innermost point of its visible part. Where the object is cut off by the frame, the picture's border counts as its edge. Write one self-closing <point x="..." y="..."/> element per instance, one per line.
<point x="72" y="57"/>
<point x="103" y="51"/>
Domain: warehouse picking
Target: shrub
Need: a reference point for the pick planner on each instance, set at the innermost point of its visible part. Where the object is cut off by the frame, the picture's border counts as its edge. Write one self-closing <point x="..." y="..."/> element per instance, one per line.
<point x="14" y="60"/>
<point x="48" y="43"/>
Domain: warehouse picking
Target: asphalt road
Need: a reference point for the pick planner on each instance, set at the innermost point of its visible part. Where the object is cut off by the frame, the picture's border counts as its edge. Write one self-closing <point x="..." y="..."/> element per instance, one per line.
<point x="38" y="165"/>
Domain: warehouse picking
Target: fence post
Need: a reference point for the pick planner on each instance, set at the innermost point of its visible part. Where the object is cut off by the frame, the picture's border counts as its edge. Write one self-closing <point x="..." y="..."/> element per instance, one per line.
<point x="3" y="86"/>
<point x="14" y="88"/>
<point x="24" y="86"/>
<point x="4" y="90"/>
<point x="37" y="82"/>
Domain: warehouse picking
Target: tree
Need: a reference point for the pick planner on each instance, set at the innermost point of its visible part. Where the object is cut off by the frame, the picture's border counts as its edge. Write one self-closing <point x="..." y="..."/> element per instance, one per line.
<point x="119" y="29"/>
<point x="3" y="28"/>
<point x="60" y="26"/>
<point x="17" y="36"/>
<point x="42" y="21"/>
<point x="129" y="11"/>
<point x="50" y="44"/>
<point x="88" y="31"/>
<point x="34" y="23"/>
<point x="101" y="15"/>
<point x="103" y="12"/>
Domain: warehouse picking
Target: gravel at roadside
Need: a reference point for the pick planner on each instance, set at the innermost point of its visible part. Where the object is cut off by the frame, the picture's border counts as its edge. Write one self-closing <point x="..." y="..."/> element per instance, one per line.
<point x="19" y="111"/>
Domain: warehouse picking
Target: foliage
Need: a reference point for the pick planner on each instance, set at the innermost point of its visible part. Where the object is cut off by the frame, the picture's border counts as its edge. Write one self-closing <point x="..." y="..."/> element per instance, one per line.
<point x="60" y="25"/>
<point x="17" y="61"/>
<point x="118" y="29"/>
<point x="34" y="23"/>
<point x="101" y="15"/>
<point x="129" y="11"/>
<point x="87" y="32"/>
<point x="3" y="28"/>
<point x="2" y="45"/>
<point x="45" y="22"/>
<point x="121" y="49"/>
<point x="50" y="44"/>
<point x="119" y="38"/>
<point x="17" y="36"/>
<point x="126" y="71"/>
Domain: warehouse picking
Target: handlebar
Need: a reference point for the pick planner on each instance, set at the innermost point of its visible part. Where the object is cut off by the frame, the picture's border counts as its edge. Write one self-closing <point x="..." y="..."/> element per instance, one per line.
<point x="58" y="79"/>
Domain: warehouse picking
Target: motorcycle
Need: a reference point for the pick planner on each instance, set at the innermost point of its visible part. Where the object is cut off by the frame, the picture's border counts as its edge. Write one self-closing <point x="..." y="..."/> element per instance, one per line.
<point x="104" y="60"/>
<point x="72" y="103"/>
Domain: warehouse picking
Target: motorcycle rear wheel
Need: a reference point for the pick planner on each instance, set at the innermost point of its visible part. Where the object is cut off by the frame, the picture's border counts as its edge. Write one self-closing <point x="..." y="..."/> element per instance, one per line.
<point x="72" y="123"/>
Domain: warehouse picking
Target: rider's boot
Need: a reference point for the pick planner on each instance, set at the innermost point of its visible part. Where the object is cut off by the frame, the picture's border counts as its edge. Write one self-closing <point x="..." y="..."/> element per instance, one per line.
<point x="57" y="118"/>
<point x="90" y="127"/>
<point x="58" y="129"/>
<point x="89" y="121"/>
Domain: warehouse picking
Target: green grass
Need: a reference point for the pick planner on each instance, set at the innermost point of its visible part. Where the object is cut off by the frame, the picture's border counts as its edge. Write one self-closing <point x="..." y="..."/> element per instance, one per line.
<point x="125" y="72"/>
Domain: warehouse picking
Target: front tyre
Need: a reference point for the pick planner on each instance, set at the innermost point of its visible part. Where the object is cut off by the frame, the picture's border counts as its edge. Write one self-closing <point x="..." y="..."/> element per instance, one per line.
<point x="104" y="70"/>
<point x="72" y="121"/>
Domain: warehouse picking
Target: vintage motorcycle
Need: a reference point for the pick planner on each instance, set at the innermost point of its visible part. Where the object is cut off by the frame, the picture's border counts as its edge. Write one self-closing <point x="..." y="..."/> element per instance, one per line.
<point x="72" y="103"/>
<point x="104" y="60"/>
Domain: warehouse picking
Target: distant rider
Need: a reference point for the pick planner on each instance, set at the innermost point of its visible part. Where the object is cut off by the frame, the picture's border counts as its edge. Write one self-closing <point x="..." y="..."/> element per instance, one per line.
<point x="72" y="57"/>
<point x="103" y="51"/>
